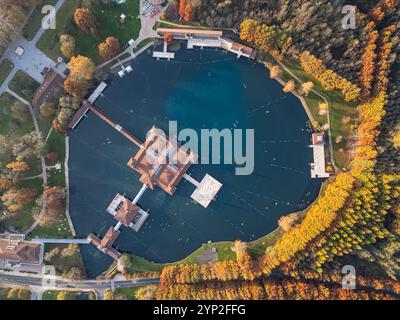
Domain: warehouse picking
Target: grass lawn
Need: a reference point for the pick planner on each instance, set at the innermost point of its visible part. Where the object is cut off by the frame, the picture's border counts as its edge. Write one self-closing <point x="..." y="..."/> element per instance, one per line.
<point x="6" y="101"/>
<point x="86" y="44"/>
<point x="338" y="110"/>
<point x="35" y="21"/>
<point x="5" y="69"/>
<point x="59" y="231"/>
<point x="24" y="85"/>
<point x="43" y="123"/>
<point x="56" y="143"/>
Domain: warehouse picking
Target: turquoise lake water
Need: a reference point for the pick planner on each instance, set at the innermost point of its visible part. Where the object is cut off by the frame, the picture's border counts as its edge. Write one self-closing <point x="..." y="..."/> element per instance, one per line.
<point x="199" y="89"/>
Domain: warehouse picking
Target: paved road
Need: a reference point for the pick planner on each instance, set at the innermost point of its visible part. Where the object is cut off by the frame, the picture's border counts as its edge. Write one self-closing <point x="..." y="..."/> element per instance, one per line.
<point x="59" y="283"/>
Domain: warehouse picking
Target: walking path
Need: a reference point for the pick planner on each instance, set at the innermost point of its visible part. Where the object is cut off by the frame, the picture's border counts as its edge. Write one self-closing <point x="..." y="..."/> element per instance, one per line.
<point x="67" y="196"/>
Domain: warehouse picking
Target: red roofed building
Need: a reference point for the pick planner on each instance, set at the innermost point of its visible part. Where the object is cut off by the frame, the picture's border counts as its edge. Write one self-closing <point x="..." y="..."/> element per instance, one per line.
<point x="53" y="82"/>
<point x="14" y="251"/>
<point x="105" y="244"/>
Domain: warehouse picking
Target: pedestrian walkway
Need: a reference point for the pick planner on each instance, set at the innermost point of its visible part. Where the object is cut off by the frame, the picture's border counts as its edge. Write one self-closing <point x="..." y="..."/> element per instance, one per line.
<point x="61" y="241"/>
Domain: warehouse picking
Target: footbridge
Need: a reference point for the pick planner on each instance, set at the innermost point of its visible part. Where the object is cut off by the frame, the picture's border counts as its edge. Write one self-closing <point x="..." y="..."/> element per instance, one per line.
<point x="115" y="125"/>
<point x="140" y="194"/>
<point x="61" y="241"/>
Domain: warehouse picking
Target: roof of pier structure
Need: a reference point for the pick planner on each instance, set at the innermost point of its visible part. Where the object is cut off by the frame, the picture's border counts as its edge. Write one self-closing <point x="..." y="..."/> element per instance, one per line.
<point x="105" y="244"/>
<point x="161" y="162"/>
<point x="123" y="209"/>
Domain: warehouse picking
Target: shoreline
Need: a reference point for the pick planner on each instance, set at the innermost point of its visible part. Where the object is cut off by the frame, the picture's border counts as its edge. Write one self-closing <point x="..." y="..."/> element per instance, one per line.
<point x="67" y="199"/>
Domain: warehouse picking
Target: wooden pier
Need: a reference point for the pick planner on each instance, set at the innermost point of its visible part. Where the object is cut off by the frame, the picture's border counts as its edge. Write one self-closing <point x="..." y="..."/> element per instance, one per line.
<point x="115" y="125"/>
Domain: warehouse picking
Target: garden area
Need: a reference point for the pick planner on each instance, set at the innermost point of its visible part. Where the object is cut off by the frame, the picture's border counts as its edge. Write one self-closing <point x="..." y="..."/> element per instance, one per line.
<point x="66" y="259"/>
<point x="108" y="18"/>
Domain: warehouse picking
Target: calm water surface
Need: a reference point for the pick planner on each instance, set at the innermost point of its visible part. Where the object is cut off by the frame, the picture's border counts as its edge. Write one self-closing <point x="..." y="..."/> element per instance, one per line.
<point x="199" y="89"/>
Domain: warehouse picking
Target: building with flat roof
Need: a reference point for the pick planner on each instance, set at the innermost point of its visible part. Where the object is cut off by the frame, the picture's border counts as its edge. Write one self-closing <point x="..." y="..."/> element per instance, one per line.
<point x="318" y="167"/>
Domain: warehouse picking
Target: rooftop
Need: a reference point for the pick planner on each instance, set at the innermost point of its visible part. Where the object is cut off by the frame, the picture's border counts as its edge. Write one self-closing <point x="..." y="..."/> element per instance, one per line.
<point x="123" y="210"/>
<point x="206" y="191"/>
<point x="318" y="167"/>
<point x="13" y="250"/>
<point x="53" y="81"/>
<point x="161" y="162"/>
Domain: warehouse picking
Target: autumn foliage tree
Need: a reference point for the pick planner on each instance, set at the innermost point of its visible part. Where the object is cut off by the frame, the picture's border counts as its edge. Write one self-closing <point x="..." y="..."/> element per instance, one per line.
<point x="329" y="79"/>
<point x="182" y="7"/>
<point x="265" y="37"/>
<point x="67" y="45"/>
<point x="168" y="38"/>
<point x="18" y="166"/>
<point x="275" y="72"/>
<point x="76" y="87"/>
<point x="109" y="48"/>
<point x="85" y="19"/>
<point x="188" y="11"/>
<point x="318" y="219"/>
<point x="16" y="199"/>
<point x="289" y="86"/>
<point x="5" y="184"/>
<point x="82" y="67"/>
<point x="306" y="88"/>
<point x="368" y="62"/>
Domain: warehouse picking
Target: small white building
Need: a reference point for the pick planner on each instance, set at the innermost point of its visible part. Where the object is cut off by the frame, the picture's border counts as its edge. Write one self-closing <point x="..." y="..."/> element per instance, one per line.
<point x="318" y="167"/>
